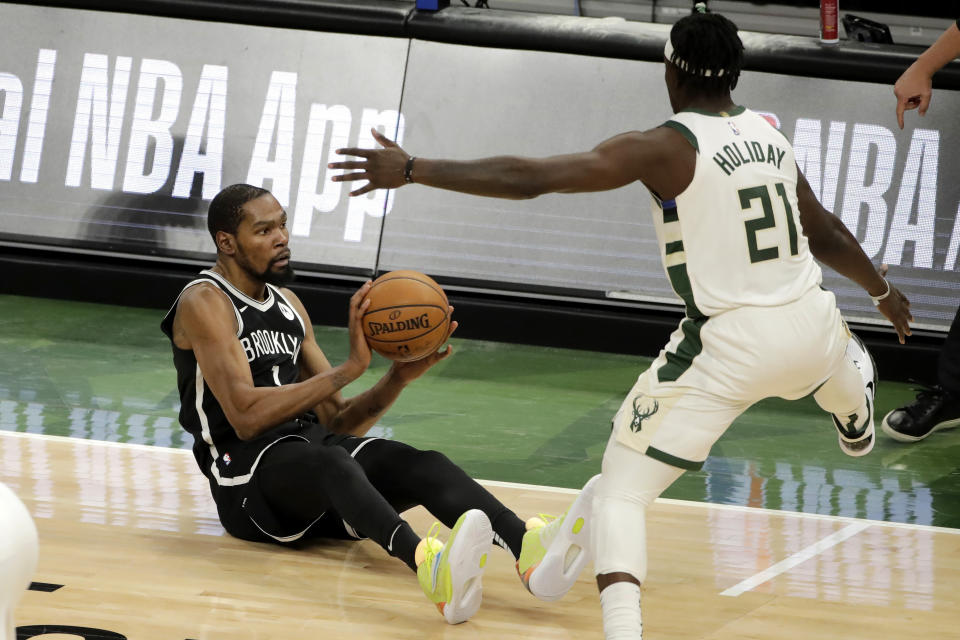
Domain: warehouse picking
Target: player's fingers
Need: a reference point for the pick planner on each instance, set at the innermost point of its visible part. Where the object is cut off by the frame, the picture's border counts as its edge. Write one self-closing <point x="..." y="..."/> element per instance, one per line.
<point x="901" y="107"/>
<point x="355" y="151"/>
<point x="453" y="327"/>
<point x="360" y="293"/>
<point x="351" y="164"/>
<point x="363" y="190"/>
<point x="924" y="104"/>
<point x="898" y="327"/>
<point x="905" y="319"/>
<point x="350" y="177"/>
<point x="382" y="139"/>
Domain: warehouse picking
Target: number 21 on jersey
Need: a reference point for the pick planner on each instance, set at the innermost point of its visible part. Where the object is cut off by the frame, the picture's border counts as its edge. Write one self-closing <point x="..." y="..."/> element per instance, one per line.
<point x="748" y="198"/>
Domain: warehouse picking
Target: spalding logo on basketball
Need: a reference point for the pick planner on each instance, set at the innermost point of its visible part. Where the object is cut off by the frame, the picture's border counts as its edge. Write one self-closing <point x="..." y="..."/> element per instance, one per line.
<point x="407" y="318"/>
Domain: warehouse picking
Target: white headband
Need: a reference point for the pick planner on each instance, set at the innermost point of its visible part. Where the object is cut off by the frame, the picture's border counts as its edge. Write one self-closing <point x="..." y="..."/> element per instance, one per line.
<point x="682" y="64"/>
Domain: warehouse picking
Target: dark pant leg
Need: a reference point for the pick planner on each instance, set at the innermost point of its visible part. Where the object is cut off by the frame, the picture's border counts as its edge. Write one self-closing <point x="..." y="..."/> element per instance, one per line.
<point x="949" y="369"/>
<point x="408" y="477"/>
<point x="300" y="480"/>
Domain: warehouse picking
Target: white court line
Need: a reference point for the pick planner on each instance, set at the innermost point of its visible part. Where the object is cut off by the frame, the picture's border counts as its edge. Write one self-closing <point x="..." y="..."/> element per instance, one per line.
<point x="760" y="511"/>
<point x="799" y="557"/>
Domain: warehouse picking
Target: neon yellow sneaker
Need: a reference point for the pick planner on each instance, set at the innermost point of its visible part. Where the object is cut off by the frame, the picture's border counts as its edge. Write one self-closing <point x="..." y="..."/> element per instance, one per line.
<point x="451" y="574"/>
<point x="553" y="554"/>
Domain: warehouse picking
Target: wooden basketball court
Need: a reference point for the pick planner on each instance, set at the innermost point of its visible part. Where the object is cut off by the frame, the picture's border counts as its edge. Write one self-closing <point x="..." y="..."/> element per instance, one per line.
<point x="131" y="537"/>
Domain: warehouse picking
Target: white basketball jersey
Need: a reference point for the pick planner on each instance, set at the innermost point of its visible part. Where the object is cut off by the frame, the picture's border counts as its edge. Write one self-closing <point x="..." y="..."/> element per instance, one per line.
<point x="733" y="237"/>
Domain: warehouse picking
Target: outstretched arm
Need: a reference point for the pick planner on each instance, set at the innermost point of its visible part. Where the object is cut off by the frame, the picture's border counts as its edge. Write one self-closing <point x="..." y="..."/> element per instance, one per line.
<point x="914" y="88"/>
<point x="832" y="244"/>
<point x="611" y="164"/>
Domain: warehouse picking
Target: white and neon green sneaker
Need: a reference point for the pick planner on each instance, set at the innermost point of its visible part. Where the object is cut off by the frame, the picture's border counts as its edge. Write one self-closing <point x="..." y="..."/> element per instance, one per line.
<point x="451" y="574"/>
<point x="553" y="554"/>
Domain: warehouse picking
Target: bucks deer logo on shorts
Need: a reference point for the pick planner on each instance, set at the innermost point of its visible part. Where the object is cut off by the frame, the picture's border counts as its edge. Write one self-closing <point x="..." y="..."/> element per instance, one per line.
<point x="643" y="408"/>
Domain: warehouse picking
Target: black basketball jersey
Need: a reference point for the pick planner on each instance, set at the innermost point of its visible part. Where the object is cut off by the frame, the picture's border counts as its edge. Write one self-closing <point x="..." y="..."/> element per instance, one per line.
<point x="271" y="333"/>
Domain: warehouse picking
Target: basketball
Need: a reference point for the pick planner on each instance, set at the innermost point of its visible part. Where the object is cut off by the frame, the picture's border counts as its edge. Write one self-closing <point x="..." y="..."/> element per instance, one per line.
<point x="407" y="318"/>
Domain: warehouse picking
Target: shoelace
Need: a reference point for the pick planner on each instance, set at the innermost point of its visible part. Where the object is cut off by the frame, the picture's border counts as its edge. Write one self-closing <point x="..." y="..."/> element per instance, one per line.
<point x="544" y="532"/>
<point x="925" y="393"/>
<point x="429" y="552"/>
<point x="547" y="519"/>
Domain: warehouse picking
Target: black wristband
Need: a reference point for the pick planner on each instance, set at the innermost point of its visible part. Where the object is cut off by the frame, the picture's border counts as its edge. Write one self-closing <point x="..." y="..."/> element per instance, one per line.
<point x="408" y="170"/>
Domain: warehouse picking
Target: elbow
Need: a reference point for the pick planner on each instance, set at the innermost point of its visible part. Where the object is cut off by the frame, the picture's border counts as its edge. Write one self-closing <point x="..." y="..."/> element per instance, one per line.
<point x="243" y="429"/>
<point x="824" y="245"/>
<point x="243" y="423"/>
<point x="529" y="180"/>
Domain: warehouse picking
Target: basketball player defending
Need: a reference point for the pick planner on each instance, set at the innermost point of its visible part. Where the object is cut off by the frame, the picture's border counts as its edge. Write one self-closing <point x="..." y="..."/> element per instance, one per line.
<point x="738" y="229"/>
<point x="18" y="557"/>
<point x="286" y="455"/>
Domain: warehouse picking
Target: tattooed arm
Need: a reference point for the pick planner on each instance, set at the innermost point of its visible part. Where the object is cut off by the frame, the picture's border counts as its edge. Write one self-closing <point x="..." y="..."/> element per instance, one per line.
<point x="206" y="324"/>
<point x="353" y="416"/>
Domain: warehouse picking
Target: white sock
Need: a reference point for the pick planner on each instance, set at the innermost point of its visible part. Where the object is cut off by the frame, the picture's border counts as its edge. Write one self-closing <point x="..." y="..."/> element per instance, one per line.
<point x="621" y="611"/>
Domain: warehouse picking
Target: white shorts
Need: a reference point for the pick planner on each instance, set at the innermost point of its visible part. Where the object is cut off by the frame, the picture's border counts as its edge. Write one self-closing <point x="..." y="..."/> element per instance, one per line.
<point x="713" y="369"/>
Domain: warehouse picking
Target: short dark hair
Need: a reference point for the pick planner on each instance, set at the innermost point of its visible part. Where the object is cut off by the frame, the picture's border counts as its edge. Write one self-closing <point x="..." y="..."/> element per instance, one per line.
<point x="707" y="42"/>
<point x="226" y="208"/>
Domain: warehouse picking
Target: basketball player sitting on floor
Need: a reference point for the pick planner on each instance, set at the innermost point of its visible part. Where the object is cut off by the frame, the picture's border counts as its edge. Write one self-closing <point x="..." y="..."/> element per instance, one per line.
<point x="738" y="228"/>
<point x="286" y="455"/>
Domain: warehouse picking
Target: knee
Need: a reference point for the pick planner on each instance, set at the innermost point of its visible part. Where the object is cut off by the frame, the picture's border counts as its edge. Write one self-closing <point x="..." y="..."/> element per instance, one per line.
<point x="619" y="541"/>
<point x="430" y="466"/>
<point x="431" y="459"/>
<point x="335" y="465"/>
<point x="618" y="496"/>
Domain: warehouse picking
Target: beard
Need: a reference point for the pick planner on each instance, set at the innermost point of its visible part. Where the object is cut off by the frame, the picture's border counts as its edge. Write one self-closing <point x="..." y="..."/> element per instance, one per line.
<point x="278" y="278"/>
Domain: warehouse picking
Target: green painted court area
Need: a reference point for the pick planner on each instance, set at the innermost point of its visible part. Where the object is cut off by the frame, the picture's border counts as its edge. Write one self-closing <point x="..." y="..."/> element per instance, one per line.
<point x="502" y="411"/>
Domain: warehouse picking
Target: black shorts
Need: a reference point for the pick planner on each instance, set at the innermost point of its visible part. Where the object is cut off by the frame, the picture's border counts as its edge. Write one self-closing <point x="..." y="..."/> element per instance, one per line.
<point x="245" y="512"/>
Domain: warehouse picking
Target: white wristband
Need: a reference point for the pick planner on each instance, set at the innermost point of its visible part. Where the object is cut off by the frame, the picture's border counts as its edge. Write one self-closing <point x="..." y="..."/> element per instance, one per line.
<point x="878" y="299"/>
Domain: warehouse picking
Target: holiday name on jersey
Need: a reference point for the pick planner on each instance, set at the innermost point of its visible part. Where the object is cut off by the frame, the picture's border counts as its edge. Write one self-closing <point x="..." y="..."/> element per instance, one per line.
<point x="266" y="342"/>
<point x="737" y="154"/>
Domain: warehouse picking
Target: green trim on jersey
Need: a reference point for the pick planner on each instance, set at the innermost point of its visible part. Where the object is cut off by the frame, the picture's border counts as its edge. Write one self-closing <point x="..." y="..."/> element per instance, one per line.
<point x="685" y="132"/>
<point x="674" y="461"/>
<point x="688" y="349"/>
<point x="737" y="110"/>
<point x="680" y="282"/>
<point x="679" y="279"/>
